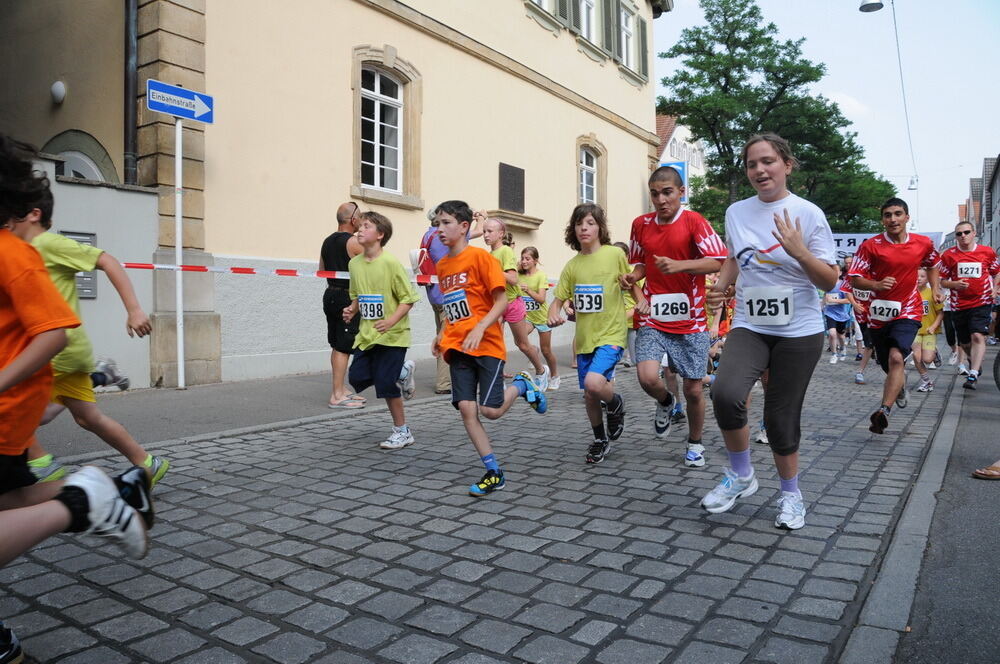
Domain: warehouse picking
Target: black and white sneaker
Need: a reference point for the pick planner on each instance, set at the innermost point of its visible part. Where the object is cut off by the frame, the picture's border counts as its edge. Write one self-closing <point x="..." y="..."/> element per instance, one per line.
<point x="616" y="418"/>
<point x="661" y="420"/>
<point x="108" y="514"/>
<point x="598" y="450"/>
<point x="902" y="398"/>
<point x="970" y="382"/>
<point x="10" y="647"/>
<point x="677" y="417"/>
<point x="113" y="376"/>
<point x="135" y="488"/>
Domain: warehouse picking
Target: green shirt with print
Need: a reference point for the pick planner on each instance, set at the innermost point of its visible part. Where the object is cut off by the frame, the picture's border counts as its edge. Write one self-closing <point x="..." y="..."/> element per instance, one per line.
<point x="505" y="255"/>
<point x="590" y="281"/>
<point x="63" y="258"/>
<point x="380" y="285"/>
<point x="538" y="312"/>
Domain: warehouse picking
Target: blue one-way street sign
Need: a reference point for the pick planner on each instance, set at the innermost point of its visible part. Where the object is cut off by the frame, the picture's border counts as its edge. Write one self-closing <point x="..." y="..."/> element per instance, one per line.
<point x="178" y="101"/>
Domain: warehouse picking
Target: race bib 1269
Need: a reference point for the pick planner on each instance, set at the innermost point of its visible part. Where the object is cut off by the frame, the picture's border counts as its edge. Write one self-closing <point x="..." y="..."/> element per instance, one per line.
<point x="669" y="307"/>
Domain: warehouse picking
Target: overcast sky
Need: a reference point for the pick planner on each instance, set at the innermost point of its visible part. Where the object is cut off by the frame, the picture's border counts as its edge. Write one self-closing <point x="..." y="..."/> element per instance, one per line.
<point x="952" y="85"/>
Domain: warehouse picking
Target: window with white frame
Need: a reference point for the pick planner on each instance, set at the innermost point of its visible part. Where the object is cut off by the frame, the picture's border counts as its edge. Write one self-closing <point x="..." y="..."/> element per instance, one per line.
<point x="540" y="3"/>
<point x="381" y="130"/>
<point x="625" y="45"/>
<point x="588" y="176"/>
<point x="588" y="20"/>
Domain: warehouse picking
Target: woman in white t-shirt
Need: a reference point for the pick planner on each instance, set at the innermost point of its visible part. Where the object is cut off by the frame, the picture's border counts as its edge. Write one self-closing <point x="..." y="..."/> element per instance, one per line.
<point x="780" y="251"/>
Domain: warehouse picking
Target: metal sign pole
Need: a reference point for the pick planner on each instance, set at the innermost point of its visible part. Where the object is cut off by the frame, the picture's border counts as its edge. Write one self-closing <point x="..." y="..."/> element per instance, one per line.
<point x="179" y="246"/>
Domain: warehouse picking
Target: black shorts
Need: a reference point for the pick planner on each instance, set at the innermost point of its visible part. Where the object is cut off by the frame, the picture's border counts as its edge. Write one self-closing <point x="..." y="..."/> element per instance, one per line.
<point x="14" y="472"/>
<point x="899" y="333"/>
<point x="378" y="366"/>
<point x="841" y="325"/>
<point x="476" y="374"/>
<point x="969" y="321"/>
<point x="339" y="335"/>
<point x="866" y="335"/>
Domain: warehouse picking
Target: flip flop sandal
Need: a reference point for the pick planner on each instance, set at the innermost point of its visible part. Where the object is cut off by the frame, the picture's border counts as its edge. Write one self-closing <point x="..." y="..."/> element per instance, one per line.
<point x="987" y="473"/>
<point x="346" y="402"/>
<point x="357" y="397"/>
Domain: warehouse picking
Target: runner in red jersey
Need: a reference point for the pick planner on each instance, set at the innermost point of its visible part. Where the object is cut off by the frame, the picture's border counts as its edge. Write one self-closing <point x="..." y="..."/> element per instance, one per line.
<point x="970" y="271"/>
<point x="887" y="264"/>
<point x="673" y="249"/>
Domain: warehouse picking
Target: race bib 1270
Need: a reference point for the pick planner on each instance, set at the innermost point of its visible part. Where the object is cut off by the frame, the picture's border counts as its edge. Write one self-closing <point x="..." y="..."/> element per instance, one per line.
<point x="372" y="306"/>
<point x="884" y="310"/>
<point x="588" y="298"/>
<point x="456" y="306"/>
<point x="768" y="305"/>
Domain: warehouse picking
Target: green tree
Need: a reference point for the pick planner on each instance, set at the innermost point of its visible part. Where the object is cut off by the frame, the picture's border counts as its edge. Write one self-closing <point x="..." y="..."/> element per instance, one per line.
<point x="737" y="80"/>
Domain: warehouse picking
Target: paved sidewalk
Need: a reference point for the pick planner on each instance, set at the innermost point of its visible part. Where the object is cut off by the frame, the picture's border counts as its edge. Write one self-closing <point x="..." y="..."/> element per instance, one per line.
<point x="309" y="544"/>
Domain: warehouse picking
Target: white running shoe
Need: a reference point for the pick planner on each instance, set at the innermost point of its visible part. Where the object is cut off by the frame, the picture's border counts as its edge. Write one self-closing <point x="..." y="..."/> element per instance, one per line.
<point x="399" y="439"/>
<point x="543" y="379"/>
<point x="724" y="496"/>
<point x="842" y="356"/>
<point x="761" y="436"/>
<point x="833" y="358"/>
<point x="859" y="378"/>
<point x="791" y="511"/>
<point x="109" y="515"/>
<point x="962" y="369"/>
<point x="953" y="358"/>
<point x="554" y="382"/>
<point x="661" y="420"/>
<point x="902" y="398"/>
<point x="925" y="385"/>
<point x="407" y="381"/>
<point x="695" y="455"/>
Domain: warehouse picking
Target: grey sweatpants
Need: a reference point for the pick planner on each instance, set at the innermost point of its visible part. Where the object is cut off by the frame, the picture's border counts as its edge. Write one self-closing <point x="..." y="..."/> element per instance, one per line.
<point x="791" y="361"/>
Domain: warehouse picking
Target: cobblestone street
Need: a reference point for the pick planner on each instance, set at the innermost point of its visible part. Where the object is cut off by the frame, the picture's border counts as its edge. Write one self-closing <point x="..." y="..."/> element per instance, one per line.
<point x="309" y="544"/>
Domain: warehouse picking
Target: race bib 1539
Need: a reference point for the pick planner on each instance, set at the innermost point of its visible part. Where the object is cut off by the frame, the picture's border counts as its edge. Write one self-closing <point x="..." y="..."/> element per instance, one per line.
<point x="588" y="298"/>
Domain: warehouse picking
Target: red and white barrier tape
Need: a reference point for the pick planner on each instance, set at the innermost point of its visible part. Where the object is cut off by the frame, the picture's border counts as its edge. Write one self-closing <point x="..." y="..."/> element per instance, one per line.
<point x="420" y="279"/>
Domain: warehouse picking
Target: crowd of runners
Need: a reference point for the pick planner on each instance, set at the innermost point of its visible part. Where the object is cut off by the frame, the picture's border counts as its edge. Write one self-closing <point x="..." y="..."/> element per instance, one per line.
<point x="686" y="308"/>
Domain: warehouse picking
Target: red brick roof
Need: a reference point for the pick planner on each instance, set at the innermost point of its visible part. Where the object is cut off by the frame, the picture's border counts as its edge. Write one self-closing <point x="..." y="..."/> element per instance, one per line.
<point x="665" y="125"/>
<point x="962" y="211"/>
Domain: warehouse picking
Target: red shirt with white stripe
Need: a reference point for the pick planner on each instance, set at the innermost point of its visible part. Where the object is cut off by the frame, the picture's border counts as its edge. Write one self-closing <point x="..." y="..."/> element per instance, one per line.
<point x="878" y="258"/>
<point x="975" y="266"/>
<point x="688" y="237"/>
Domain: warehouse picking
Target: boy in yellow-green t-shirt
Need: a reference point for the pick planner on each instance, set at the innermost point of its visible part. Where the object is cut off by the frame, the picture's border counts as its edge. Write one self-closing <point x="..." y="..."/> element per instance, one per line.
<point x="925" y="343"/>
<point x="73" y="388"/>
<point x="383" y="294"/>
<point x="591" y="279"/>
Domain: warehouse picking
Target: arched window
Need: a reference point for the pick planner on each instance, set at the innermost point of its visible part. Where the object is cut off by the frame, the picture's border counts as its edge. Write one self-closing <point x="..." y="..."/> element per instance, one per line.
<point x="381" y="130"/>
<point x="588" y="175"/>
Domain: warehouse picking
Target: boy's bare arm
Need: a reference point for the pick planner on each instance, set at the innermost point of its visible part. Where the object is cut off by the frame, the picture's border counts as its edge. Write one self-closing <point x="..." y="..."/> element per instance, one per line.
<point x="39" y="352"/>
<point x="386" y="324"/>
<point x="137" y="321"/>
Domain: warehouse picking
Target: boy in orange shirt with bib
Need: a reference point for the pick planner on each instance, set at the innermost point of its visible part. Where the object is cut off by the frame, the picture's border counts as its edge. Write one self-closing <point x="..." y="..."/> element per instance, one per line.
<point x="474" y="298"/>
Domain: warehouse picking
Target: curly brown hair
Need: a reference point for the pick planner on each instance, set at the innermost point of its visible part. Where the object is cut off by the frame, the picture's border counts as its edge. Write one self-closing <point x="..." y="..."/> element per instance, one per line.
<point x="579" y="213"/>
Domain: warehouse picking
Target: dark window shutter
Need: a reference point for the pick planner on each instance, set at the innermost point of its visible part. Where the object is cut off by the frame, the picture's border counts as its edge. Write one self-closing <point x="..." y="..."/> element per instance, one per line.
<point x="617" y="10"/>
<point x="562" y="11"/>
<point x="575" y="20"/>
<point x="511" y="188"/>
<point x="608" y="23"/>
<point x="643" y="47"/>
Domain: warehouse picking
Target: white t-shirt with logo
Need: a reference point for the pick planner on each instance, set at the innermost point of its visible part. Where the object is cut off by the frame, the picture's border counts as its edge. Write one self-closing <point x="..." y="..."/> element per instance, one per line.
<point x="773" y="294"/>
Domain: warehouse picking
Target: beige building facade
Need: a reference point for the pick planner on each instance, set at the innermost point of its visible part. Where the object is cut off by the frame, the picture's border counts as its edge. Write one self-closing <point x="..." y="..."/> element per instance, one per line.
<point x="520" y="107"/>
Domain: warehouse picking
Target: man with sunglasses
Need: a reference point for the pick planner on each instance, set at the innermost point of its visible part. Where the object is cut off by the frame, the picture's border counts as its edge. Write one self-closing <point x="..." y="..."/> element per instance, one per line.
<point x="337" y="251"/>
<point x="970" y="270"/>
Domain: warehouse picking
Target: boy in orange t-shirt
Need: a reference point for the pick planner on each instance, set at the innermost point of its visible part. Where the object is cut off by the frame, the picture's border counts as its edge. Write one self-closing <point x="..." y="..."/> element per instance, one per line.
<point x="472" y="286"/>
<point x="33" y="322"/>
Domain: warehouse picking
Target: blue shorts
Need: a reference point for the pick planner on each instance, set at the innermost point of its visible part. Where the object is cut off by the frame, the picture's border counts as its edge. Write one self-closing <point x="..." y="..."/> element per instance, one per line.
<point x="379" y="366"/>
<point x="601" y="361"/>
<point x="541" y="327"/>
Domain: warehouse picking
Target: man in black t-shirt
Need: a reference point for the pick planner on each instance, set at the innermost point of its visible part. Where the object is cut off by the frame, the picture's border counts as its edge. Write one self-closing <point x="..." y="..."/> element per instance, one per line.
<point x="338" y="249"/>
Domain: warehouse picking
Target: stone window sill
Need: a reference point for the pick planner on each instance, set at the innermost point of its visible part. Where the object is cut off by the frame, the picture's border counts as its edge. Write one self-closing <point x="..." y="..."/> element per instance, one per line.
<point x="543" y="18"/>
<point x="389" y="198"/>
<point x="521" y="222"/>
<point x="589" y="49"/>
<point x="633" y="77"/>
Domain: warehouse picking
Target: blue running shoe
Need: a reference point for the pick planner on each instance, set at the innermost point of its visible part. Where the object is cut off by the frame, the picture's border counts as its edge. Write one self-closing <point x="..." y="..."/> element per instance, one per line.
<point x="492" y="481"/>
<point x="533" y="395"/>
